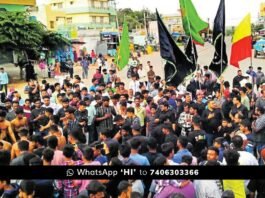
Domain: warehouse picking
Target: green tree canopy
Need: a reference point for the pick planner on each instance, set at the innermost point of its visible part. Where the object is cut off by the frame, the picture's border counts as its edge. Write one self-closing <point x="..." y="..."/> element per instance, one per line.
<point x="18" y="32"/>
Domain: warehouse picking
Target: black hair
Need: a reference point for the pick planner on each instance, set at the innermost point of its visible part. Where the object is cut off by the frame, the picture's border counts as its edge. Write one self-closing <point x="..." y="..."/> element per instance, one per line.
<point x="246" y="123"/>
<point x="49" y="110"/>
<point x="28" y="186"/>
<point x="70" y="110"/>
<point x="52" y="142"/>
<point x="88" y="153"/>
<point x="160" y="161"/>
<point x="48" y="154"/>
<point x="183" y="141"/>
<point x="212" y="148"/>
<point x="186" y="159"/>
<point x="115" y="161"/>
<point x="23" y="133"/>
<point x="237" y="142"/>
<point x="23" y="145"/>
<point x="152" y="143"/>
<point x="135" y="143"/>
<point x="36" y="161"/>
<point x="125" y="150"/>
<point x="238" y="97"/>
<point x="167" y="148"/>
<point x="130" y="109"/>
<point x="231" y="157"/>
<point x="68" y="151"/>
<point x="27" y="157"/>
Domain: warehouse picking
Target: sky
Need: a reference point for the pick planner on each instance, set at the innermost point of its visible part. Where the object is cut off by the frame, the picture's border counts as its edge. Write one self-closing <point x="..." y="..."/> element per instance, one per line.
<point x="235" y="9"/>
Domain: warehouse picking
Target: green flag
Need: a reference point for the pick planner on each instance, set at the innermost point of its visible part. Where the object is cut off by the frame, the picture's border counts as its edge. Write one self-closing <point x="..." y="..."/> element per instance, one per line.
<point x="192" y="22"/>
<point x="123" y="53"/>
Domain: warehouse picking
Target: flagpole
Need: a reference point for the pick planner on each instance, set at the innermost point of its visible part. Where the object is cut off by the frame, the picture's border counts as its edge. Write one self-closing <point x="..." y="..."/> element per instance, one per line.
<point x="192" y="49"/>
<point x="222" y="45"/>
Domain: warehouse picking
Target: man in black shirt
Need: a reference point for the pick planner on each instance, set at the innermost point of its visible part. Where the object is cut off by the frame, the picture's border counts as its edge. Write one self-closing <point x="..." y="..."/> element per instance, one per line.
<point x="37" y="117"/>
<point x="258" y="186"/>
<point x="197" y="137"/>
<point x="61" y="111"/>
<point x="152" y="153"/>
<point x="211" y="119"/>
<point x="238" y="108"/>
<point x="238" y="78"/>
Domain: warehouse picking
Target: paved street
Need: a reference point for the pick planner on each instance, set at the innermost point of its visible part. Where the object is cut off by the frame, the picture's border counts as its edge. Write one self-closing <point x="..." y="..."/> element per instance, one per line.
<point x="205" y="55"/>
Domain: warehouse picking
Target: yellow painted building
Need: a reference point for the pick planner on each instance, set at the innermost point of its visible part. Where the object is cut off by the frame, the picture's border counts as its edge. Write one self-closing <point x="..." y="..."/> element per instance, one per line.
<point x="48" y="17"/>
<point x="85" y="14"/>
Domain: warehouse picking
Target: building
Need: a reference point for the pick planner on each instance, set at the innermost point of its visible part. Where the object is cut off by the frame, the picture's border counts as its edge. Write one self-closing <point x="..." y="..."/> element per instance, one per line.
<point x="48" y="17"/>
<point x="16" y="5"/>
<point x="173" y="22"/>
<point x="261" y="18"/>
<point x="85" y="15"/>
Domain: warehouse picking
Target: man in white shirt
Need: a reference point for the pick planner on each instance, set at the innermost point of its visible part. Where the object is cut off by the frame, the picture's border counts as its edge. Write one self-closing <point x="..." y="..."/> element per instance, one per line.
<point x="134" y="84"/>
<point x="47" y="103"/>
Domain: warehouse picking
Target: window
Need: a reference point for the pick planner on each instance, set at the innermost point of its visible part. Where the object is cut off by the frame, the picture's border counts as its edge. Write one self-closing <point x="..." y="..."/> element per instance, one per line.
<point x="101" y="4"/>
<point x="52" y="24"/>
<point x="101" y="20"/>
<point x="94" y="19"/>
<point x="69" y="20"/>
<point x="60" y="5"/>
<point x="71" y="2"/>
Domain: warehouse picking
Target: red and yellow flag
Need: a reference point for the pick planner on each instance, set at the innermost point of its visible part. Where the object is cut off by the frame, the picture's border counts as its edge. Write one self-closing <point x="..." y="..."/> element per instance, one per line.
<point x="241" y="44"/>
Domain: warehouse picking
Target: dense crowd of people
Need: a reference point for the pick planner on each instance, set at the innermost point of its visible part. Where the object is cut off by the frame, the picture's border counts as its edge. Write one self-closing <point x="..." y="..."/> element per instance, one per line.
<point x="144" y="122"/>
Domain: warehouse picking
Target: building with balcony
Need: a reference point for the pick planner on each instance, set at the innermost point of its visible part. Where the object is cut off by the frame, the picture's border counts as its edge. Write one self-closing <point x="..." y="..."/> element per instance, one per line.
<point x="48" y="17"/>
<point x="16" y="5"/>
<point x="85" y="15"/>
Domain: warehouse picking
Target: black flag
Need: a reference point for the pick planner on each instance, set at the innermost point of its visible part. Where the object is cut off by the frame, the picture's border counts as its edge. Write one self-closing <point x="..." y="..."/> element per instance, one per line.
<point x="177" y="66"/>
<point x="218" y="40"/>
<point x="191" y="52"/>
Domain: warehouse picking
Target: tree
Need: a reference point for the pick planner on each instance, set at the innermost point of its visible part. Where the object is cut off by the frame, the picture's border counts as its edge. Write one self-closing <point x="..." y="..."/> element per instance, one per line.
<point x="19" y="33"/>
<point x="135" y="18"/>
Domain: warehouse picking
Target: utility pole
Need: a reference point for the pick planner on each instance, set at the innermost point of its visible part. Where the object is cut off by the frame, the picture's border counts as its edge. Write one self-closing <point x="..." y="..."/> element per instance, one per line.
<point x="208" y="33"/>
<point x="117" y="20"/>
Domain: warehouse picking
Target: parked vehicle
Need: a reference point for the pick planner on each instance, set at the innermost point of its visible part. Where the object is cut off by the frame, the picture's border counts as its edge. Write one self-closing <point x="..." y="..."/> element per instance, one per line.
<point x="259" y="48"/>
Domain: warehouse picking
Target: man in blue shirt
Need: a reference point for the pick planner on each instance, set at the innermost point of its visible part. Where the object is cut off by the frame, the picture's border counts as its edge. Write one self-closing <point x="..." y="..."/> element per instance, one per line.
<point x="182" y="145"/>
<point x="3" y="80"/>
<point x="135" y="156"/>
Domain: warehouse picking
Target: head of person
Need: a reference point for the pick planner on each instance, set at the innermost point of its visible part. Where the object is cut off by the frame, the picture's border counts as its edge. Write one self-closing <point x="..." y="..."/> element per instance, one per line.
<point x="168" y="150"/>
<point x="182" y="142"/>
<point x="8" y="104"/>
<point x="239" y="72"/>
<point x="2" y="70"/>
<point x="134" y="77"/>
<point x="135" y="144"/>
<point x="2" y="115"/>
<point x="259" y="111"/>
<point x="104" y="135"/>
<point x="27" y="189"/>
<point x="23" y="146"/>
<point x="211" y="104"/>
<point x="130" y="112"/>
<point x="166" y="128"/>
<point x="52" y="142"/>
<point x="196" y="122"/>
<point x="69" y="113"/>
<point x="187" y="108"/>
<point x="245" y="125"/>
<point x="96" y="189"/>
<point x="88" y="154"/>
<point x="164" y="106"/>
<point x="125" y="150"/>
<point x="237" y="142"/>
<point x="105" y="100"/>
<point x="136" y="129"/>
<point x="243" y="91"/>
<point x="68" y="151"/>
<point x="218" y="142"/>
<point x="47" y="155"/>
<point x="20" y="113"/>
<point x="160" y="161"/>
<point x="48" y="112"/>
<point x="212" y="153"/>
<point x="231" y="157"/>
<point x="238" y="118"/>
<point x="46" y="100"/>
